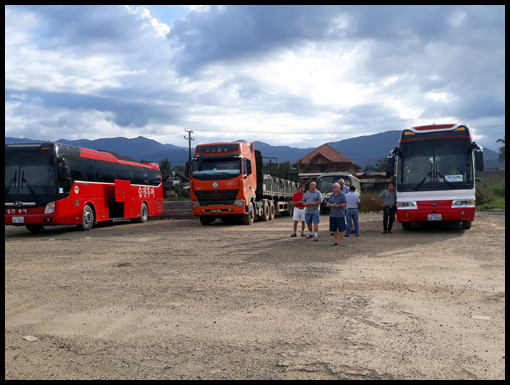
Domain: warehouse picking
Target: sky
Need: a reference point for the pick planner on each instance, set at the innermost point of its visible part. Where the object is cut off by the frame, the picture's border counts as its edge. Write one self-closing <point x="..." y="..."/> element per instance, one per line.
<point x="298" y="76"/>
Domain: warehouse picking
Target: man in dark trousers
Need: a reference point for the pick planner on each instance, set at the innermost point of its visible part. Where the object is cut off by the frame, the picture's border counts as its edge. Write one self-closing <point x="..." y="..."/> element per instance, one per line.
<point x="388" y="200"/>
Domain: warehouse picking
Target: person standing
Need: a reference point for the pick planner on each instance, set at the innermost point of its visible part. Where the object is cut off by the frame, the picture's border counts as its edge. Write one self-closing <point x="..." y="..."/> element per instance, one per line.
<point x="388" y="200"/>
<point x="312" y="200"/>
<point x="299" y="210"/>
<point x="336" y="204"/>
<point x="344" y="190"/>
<point x="351" y="212"/>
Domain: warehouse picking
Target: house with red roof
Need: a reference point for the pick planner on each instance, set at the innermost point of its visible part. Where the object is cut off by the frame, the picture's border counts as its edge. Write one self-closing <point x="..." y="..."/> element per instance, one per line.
<point x="327" y="159"/>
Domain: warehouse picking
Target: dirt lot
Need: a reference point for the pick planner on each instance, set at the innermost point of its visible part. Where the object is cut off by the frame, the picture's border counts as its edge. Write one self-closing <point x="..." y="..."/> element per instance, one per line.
<point x="173" y="299"/>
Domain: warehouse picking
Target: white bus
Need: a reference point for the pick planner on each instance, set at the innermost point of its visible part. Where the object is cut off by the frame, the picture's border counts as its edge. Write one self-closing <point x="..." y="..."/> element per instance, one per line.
<point x="325" y="184"/>
<point x="434" y="170"/>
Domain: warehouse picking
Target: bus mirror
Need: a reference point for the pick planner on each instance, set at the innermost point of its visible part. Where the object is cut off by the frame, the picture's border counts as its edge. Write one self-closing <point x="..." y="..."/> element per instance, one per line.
<point x="479" y="160"/>
<point x="390" y="165"/>
<point x="64" y="172"/>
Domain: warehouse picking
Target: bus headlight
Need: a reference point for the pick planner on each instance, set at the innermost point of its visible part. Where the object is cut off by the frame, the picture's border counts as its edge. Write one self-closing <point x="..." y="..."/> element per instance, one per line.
<point x="464" y="203"/>
<point x="50" y="208"/>
<point x="239" y="203"/>
<point x="407" y="205"/>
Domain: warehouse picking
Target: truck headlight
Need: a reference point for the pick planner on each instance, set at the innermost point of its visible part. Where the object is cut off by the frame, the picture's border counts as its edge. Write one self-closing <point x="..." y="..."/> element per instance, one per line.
<point x="50" y="208"/>
<point x="239" y="203"/>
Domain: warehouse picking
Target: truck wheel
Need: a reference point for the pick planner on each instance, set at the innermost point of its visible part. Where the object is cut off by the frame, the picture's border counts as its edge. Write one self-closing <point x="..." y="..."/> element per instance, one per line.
<point x="265" y="212"/>
<point x="271" y="210"/>
<point x="88" y="220"/>
<point x="249" y="217"/>
<point x="466" y="224"/>
<point x="206" y="220"/>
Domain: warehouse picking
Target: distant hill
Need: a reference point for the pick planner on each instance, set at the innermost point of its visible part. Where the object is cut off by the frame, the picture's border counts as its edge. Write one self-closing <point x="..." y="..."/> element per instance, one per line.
<point x="362" y="150"/>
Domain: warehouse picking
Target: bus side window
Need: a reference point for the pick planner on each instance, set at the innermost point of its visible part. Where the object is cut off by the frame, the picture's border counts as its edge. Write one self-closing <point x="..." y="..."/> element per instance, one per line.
<point x="81" y="169"/>
<point x="154" y="177"/>
<point x="140" y="175"/>
<point x="105" y="171"/>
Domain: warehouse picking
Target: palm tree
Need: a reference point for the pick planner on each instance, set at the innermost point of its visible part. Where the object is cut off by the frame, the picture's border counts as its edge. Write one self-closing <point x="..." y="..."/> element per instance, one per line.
<point x="501" y="150"/>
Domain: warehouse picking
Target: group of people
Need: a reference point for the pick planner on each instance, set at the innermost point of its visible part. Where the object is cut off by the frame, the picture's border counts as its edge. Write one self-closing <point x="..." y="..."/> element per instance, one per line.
<point x="343" y="204"/>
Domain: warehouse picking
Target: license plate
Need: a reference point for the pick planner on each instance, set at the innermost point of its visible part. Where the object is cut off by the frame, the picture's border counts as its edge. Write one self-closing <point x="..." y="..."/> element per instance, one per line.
<point x="434" y="217"/>
<point x="18" y="219"/>
<point x="215" y="211"/>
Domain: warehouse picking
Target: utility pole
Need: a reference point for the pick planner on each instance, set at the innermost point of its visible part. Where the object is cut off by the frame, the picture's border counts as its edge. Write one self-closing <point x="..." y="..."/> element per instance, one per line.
<point x="189" y="138"/>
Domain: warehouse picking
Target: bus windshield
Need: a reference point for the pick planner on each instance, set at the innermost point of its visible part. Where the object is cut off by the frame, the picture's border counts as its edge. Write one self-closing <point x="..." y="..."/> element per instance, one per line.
<point x="325" y="183"/>
<point x="29" y="177"/>
<point x="217" y="169"/>
<point x="435" y="164"/>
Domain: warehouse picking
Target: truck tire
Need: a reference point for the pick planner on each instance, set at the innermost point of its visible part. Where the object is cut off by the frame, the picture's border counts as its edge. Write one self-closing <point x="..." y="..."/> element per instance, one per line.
<point x="271" y="210"/>
<point x="265" y="212"/>
<point x="249" y="217"/>
<point x="88" y="219"/>
<point x="206" y="220"/>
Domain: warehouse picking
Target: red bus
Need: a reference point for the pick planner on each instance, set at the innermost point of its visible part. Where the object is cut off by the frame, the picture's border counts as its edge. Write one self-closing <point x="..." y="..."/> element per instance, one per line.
<point x="50" y="184"/>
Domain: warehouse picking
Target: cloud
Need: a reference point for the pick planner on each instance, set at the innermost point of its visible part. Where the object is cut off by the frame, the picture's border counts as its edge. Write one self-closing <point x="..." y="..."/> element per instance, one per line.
<point x="313" y="72"/>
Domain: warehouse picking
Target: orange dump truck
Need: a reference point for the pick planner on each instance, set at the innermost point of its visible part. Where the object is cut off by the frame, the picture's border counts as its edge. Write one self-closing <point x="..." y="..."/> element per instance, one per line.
<point x="227" y="183"/>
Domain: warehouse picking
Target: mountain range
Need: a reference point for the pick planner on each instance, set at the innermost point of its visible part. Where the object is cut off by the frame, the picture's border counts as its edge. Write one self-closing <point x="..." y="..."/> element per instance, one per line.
<point x="362" y="150"/>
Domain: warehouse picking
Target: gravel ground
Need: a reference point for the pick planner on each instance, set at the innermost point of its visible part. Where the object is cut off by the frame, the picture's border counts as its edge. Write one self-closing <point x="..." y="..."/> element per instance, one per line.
<point x="171" y="299"/>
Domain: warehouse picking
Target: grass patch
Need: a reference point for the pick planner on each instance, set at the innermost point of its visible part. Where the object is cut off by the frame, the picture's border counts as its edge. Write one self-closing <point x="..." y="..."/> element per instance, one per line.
<point x="490" y="196"/>
<point x="369" y="201"/>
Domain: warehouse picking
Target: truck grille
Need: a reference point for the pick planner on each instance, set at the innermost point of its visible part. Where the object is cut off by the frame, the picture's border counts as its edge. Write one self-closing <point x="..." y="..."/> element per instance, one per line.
<point x="216" y="197"/>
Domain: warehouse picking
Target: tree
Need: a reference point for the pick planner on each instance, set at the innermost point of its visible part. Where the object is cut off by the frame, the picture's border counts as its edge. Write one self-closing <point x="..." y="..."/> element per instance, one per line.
<point x="165" y="166"/>
<point x="501" y="150"/>
<point x="367" y="169"/>
<point x="380" y="165"/>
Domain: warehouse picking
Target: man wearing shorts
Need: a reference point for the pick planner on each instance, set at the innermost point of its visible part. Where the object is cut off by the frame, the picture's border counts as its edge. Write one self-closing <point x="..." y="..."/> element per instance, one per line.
<point x="336" y="204"/>
<point x="312" y="201"/>
<point x="299" y="210"/>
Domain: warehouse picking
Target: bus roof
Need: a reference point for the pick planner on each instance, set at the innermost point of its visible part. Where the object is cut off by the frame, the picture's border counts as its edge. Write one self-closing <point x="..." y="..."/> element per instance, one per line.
<point x="435" y="131"/>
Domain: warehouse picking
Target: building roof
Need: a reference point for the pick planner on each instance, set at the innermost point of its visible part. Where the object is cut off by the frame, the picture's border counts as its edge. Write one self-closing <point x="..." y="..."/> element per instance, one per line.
<point x="328" y="152"/>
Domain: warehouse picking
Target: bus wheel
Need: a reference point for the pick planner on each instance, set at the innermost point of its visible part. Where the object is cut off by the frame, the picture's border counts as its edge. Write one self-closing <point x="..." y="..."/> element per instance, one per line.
<point x="144" y="214"/>
<point x="249" y="218"/>
<point x="88" y="219"/>
<point x="406" y="225"/>
<point x="34" y="228"/>
<point x="466" y="224"/>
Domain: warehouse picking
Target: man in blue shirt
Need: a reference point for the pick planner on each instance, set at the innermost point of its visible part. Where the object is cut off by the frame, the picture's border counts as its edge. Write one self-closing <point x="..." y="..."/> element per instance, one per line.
<point x="312" y="200"/>
<point x="352" y="211"/>
<point x="336" y="204"/>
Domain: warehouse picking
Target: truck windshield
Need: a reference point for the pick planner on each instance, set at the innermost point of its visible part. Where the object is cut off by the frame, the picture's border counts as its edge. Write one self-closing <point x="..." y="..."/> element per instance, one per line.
<point x="325" y="183"/>
<point x="29" y="178"/>
<point x="435" y="164"/>
<point x="217" y="169"/>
